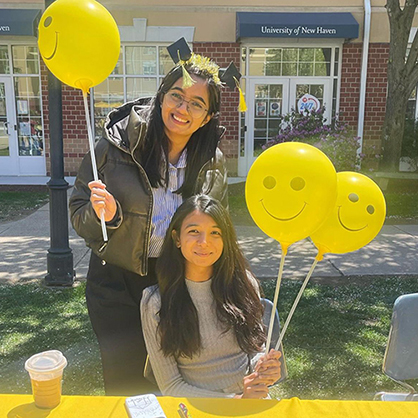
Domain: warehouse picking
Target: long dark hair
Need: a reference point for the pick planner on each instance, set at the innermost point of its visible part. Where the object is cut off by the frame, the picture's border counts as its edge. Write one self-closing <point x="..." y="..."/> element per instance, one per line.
<point x="238" y="304"/>
<point x="201" y="146"/>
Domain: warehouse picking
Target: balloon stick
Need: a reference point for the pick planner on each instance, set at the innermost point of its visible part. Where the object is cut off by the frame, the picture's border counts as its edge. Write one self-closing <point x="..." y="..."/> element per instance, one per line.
<point x="295" y="303"/>
<point x="276" y="296"/>
<point x="93" y="162"/>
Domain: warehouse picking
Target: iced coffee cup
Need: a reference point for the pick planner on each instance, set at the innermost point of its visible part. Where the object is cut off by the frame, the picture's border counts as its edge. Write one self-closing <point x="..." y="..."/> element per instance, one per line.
<point x="45" y="370"/>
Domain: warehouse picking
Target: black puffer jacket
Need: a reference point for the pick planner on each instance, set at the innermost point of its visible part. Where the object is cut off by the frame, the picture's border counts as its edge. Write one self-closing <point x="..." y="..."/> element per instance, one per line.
<point x="126" y="180"/>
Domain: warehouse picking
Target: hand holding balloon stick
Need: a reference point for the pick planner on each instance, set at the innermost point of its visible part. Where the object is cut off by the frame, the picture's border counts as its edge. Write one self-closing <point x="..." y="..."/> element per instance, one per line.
<point x="355" y="220"/>
<point x="290" y="190"/>
<point x="81" y="58"/>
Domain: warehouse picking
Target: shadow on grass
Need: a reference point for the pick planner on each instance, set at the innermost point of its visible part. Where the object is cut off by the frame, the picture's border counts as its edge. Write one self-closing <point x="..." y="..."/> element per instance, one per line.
<point x="34" y="319"/>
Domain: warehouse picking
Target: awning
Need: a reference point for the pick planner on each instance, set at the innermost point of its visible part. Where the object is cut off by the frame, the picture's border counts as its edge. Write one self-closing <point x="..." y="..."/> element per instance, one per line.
<point x="296" y="25"/>
<point x="19" y="22"/>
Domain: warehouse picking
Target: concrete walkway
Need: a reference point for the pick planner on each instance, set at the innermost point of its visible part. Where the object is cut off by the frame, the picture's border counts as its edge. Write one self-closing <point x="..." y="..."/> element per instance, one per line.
<point x="24" y="245"/>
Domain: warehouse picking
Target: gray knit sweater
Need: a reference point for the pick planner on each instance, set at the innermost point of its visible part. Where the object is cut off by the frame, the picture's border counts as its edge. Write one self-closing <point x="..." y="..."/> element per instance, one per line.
<point x="217" y="371"/>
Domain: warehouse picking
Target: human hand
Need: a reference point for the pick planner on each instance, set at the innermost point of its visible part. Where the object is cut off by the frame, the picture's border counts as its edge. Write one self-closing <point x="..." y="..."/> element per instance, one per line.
<point x="101" y="199"/>
<point x="269" y="367"/>
<point x="255" y="387"/>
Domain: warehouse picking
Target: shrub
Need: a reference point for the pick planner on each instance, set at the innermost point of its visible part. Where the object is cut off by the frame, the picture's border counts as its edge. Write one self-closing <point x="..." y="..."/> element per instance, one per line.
<point x="336" y="139"/>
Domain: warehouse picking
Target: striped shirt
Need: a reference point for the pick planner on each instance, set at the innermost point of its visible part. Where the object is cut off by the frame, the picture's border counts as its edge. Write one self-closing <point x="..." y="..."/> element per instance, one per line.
<point x="165" y="204"/>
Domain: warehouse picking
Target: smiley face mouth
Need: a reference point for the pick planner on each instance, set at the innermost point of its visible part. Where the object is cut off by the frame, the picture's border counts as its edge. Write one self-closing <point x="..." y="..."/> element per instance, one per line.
<point x="283" y="219"/>
<point x="55" y="48"/>
<point x="346" y="227"/>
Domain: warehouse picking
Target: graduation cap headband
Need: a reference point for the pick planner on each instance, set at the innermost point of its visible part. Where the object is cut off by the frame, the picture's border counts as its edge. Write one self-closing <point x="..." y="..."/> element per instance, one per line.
<point x="182" y="55"/>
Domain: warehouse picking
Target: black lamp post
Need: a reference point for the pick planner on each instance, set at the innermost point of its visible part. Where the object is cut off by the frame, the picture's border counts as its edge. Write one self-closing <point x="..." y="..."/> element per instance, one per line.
<point x="60" y="256"/>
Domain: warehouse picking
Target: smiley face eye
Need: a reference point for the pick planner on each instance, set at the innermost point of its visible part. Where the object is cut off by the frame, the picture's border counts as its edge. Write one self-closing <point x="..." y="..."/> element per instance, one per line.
<point x="269" y="182"/>
<point x="47" y="21"/>
<point x="353" y="197"/>
<point x="370" y="209"/>
<point x="297" y="184"/>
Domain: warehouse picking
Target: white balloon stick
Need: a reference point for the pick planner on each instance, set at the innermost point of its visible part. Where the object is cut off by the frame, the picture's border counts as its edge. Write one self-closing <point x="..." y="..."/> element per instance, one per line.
<point x="295" y="304"/>
<point x="276" y="296"/>
<point x="93" y="162"/>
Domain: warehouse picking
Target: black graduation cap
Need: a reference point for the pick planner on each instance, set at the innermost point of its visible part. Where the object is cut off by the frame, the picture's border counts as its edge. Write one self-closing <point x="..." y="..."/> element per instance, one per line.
<point x="230" y="76"/>
<point x="180" y="50"/>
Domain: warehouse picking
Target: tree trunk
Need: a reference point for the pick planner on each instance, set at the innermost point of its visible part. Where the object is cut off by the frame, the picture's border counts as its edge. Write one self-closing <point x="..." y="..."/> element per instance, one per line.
<point x="393" y="130"/>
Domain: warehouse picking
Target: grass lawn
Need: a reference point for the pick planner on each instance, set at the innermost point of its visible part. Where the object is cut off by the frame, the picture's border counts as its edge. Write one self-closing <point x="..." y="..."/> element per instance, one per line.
<point x="15" y="203"/>
<point x="334" y="346"/>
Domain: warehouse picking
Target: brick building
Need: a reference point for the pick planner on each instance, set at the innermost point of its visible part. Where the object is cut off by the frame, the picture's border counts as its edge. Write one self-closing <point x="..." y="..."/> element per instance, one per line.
<point x="284" y="51"/>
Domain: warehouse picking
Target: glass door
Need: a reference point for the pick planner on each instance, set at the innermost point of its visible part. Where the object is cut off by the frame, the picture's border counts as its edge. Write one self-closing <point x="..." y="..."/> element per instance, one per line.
<point x="9" y="165"/>
<point x="313" y="92"/>
<point x="267" y="99"/>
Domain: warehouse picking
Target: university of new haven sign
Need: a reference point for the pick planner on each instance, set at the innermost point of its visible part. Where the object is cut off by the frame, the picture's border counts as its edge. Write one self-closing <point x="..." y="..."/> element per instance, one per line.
<point x="296" y="25"/>
<point x="19" y="22"/>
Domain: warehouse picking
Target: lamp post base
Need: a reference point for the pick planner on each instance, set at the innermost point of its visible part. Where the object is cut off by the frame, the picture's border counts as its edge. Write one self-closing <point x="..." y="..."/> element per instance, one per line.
<point x="60" y="269"/>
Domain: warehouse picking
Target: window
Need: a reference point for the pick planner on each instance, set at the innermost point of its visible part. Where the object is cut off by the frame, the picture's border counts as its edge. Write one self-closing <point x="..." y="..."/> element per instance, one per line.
<point x="138" y="73"/>
<point x="301" y="62"/>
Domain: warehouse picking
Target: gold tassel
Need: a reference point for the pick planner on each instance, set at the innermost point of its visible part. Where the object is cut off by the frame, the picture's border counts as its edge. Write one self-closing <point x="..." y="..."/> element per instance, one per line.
<point x="242" y="107"/>
<point x="187" y="79"/>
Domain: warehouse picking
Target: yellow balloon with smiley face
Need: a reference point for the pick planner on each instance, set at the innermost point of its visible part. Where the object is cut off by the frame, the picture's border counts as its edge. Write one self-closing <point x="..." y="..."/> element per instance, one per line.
<point x="356" y="219"/>
<point x="79" y="42"/>
<point x="290" y="190"/>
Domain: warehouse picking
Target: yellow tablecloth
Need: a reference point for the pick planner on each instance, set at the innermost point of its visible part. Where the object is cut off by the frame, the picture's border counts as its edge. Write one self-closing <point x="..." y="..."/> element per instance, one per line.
<point x="22" y="406"/>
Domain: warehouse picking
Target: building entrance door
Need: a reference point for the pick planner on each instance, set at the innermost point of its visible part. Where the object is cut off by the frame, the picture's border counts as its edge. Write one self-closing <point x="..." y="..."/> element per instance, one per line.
<point x="267" y="99"/>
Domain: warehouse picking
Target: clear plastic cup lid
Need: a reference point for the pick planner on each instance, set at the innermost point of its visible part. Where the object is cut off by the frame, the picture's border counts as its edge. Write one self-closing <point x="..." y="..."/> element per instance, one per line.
<point x="47" y="361"/>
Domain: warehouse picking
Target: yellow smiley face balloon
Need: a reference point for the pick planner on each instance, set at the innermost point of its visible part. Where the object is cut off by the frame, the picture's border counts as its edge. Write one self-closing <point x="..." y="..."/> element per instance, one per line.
<point x="79" y="42"/>
<point x="290" y="190"/>
<point x="357" y="217"/>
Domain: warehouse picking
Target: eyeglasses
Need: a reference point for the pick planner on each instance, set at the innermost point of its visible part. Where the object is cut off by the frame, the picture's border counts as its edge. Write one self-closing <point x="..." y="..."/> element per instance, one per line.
<point x="194" y="107"/>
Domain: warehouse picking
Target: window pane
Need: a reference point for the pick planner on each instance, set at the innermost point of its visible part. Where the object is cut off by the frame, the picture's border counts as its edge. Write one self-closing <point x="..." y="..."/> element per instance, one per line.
<point x="321" y="69"/>
<point x="107" y="96"/>
<point x="265" y="61"/>
<point x="334" y="96"/>
<point x="118" y="70"/>
<point x="337" y="55"/>
<point x="306" y="69"/>
<point x="242" y="135"/>
<point x="25" y="59"/>
<point x="166" y="63"/>
<point x="289" y="69"/>
<point x="306" y="54"/>
<point x="28" y="111"/>
<point x="243" y="68"/>
<point x="141" y="60"/>
<point x="140" y="87"/>
<point x="290" y="54"/>
<point x="4" y="136"/>
<point x="4" y="60"/>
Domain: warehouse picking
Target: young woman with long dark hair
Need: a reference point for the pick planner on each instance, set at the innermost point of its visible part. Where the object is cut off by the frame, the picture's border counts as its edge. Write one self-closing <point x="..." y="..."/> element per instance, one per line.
<point x="203" y="323"/>
<point x="152" y="156"/>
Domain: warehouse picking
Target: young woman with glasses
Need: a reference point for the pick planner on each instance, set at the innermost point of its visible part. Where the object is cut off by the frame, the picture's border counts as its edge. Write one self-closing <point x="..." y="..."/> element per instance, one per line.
<point x="152" y="156"/>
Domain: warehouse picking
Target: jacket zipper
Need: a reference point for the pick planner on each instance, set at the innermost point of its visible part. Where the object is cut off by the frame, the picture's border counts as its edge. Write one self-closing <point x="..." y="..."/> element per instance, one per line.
<point x="149" y="218"/>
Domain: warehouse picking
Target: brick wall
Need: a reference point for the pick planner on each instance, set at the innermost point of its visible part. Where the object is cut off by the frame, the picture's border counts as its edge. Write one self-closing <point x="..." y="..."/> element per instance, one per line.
<point x="223" y="53"/>
<point x="375" y="91"/>
<point x="74" y="126"/>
